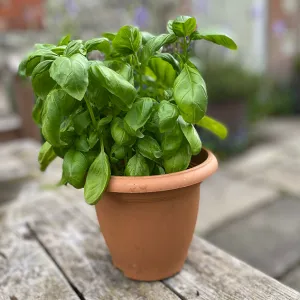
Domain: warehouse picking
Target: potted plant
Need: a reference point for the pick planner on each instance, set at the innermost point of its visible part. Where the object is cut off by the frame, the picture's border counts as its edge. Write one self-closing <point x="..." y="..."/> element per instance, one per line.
<point x="232" y="91"/>
<point x="124" y="126"/>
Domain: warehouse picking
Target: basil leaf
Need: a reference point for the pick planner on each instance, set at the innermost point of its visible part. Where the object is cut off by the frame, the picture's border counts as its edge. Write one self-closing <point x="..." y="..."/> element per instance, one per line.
<point x="82" y="121"/>
<point x="128" y="40"/>
<point x="171" y="141"/>
<point x="115" y="84"/>
<point x="146" y="36"/>
<point x="59" y="50"/>
<point x="167" y="115"/>
<point x="37" y="111"/>
<point x="164" y="72"/>
<point x="64" y="40"/>
<point x="71" y="74"/>
<point x="137" y="166"/>
<point x="42" y="83"/>
<point x="36" y="57"/>
<point x="158" y="170"/>
<point x="118" y="151"/>
<point x="93" y="138"/>
<point x="149" y="148"/>
<point x="139" y="114"/>
<point x="100" y="44"/>
<point x="75" y="47"/>
<point x="109" y="35"/>
<point x="46" y="156"/>
<point x="119" y="134"/>
<point x="155" y="44"/>
<point x="216" y="38"/>
<point x="191" y="135"/>
<point x="213" y="126"/>
<point x="184" y="25"/>
<point x="153" y="123"/>
<point x="22" y="67"/>
<point x="170" y="26"/>
<point x="179" y="161"/>
<point x="104" y="121"/>
<point x="190" y="94"/>
<point x="57" y="106"/>
<point x="75" y="166"/>
<point x="81" y="143"/>
<point x="170" y="59"/>
<point x="97" y="179"/>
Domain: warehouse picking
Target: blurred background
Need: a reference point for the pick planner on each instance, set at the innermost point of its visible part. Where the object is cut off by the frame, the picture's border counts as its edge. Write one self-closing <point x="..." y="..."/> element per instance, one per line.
<point x="254" y="200"/>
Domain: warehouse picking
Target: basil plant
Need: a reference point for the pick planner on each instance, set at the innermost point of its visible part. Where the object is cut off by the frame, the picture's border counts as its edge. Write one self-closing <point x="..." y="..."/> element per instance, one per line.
<point x="130" y="113"/>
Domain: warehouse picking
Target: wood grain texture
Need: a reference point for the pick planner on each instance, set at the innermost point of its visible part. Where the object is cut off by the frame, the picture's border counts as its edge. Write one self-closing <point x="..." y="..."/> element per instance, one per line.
<point x="211" y="274"/>
<point x="3" y="296"/>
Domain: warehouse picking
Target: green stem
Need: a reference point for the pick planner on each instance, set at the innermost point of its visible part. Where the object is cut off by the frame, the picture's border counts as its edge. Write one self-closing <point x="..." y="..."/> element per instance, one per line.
<point x="185" y="49"/>
<point x="139" y="70"/>
<point x="91" y="113"/>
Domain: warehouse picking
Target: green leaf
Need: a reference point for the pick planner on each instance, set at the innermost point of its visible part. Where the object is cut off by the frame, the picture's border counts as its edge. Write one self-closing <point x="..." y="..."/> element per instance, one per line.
<point x="149" y="148"/>
<point x="170" y="59"/>
<point x="128" y="40"/>
<point x="137" y="166"/>
<point x="93" y="138"/>
<point x="64" y="40"/>
<point x="36" y="57"/>
<point x="74" y="47"/>
<point x="97" y="179"/>
<point x="22" y="67"/>
<point x="190" y="94"/>
<point x="171" y="141"/>
<point x="146" y="36"/>
<point x="104" y="121"/>
<point x="75" y="166"/>
<point x="139" y="114"/>
<point x="46" y="156"/>
<point x="71" y="74"/>
<point x="214" y="126"/>
<point x="153" y="123"/>
<point x="170" y="26"/>
<point x="99" y="44"/>
<point x="37" y="111"/>
<point x="81" y="143"/>
<point x="57" y="106"/>
<point x="119" y="134"/>
<point x="155" y="44"/>
<point x="216" y="38"/>
<point x="184" y="25"/>
<point x="124" y="69"/>
<point x="109" y="35"/>
<point x="118" y="151"/>
<point x="82" y="121"/>
<point x="59" y="50"/>
<point x="42" y="83"/>
<point x="191" y="135"/>
<point x="167" y="115"/>
<point x="164" y="72"/>
<point x="180" y="161"/>
<point x="158" y="170"/>
<point x="115" y="84"/>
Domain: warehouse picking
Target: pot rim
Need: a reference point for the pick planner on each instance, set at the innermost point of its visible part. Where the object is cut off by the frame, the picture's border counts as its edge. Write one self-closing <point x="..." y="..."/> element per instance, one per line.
<point x="159" y="183"/>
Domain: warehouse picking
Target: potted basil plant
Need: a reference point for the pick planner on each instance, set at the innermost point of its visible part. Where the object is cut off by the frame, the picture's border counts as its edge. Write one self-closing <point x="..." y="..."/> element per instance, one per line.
<point x="124" y="127"/>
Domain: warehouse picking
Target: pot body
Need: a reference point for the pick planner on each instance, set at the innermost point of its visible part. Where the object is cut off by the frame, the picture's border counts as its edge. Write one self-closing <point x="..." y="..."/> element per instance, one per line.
<point x="147" y="232"/>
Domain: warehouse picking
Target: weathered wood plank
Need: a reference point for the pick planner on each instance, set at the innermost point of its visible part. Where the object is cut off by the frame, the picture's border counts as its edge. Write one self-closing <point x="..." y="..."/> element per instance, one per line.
<point x="211" y="274"/>
<point x="3" y="296"/>
<point x="25" y="270"/>
<point x="77" y="246"/>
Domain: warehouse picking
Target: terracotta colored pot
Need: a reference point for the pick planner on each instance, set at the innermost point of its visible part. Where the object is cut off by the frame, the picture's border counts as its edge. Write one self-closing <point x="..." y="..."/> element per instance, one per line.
<point x="148" y="222"/>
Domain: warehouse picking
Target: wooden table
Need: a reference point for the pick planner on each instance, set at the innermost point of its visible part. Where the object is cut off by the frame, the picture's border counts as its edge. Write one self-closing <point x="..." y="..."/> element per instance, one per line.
<point x="51" y="248"/>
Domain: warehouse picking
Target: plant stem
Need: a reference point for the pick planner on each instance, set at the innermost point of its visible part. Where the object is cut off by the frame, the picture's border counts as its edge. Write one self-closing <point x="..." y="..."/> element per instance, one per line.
<point x="91" y="112"/>
<point x="139" y="70"/>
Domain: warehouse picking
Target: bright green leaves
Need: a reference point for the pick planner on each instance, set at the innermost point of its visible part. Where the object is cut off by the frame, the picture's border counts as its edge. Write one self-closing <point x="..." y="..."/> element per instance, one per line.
<point x="82" y="121"/>
<point x="167" y="115"/>
<point x="75" y="166"/>
<point x="97" y="178"/>
<point x="183" y="26"/>
<point x="64" y="40"/>
<point x="163" y="70"/>
<point x="213" y="126"/>
<point x="137" y="166"/>
<point x="128" y="40"/>
<point x="190" y="94"/>
<point x="119" y="134"/>
<point x="46" y="156"/>
<point x="149" y="148"/>
<point x="42" y="83"/>
<point x="71" y="73"/>
<point x="75" y="47"/>
<point x="215" y="37"/>
<point x="37" y="111"/>
<point x="57" y="106"/>
<point x="179" y="161"/>
<point x="100" y="44"/>
<point x="171" y="141"/>
<point x="118" y="151"/>
<point x="191" y="136"/>
<point x="138" y="115"/>
<point x="115" y="84"/>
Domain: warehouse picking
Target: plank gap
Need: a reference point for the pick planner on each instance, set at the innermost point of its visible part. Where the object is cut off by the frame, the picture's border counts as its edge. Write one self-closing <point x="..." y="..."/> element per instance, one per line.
<point x="73" y="287"/>
<point x="174" y="290"/>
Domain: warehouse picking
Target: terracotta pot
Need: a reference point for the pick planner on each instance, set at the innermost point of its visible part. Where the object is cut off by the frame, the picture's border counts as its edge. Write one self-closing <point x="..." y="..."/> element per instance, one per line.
<point x="148" y="222"/>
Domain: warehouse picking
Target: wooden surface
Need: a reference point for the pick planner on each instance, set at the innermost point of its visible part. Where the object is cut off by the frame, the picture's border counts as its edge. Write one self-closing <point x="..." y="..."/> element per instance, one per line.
<point x="51" y="248"/>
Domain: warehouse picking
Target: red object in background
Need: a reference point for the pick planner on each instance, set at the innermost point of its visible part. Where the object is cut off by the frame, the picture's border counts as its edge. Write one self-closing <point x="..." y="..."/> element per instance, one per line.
<point x="21" y="14"/>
